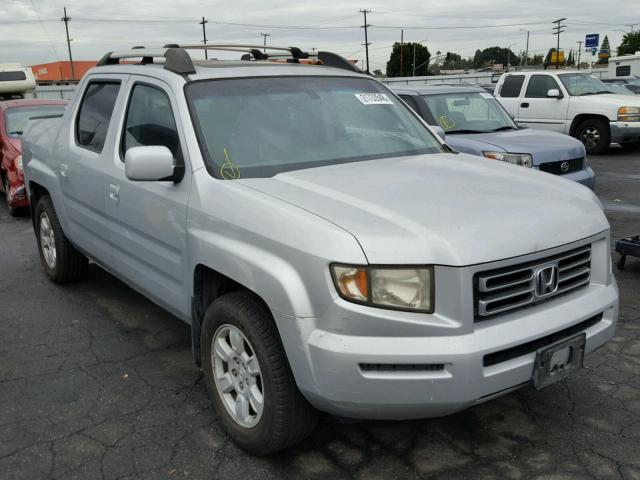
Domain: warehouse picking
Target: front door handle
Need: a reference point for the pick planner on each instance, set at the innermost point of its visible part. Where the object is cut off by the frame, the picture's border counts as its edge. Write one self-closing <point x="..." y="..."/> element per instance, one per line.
<point x="524" y="105"/>
<point x="114" y="193"/>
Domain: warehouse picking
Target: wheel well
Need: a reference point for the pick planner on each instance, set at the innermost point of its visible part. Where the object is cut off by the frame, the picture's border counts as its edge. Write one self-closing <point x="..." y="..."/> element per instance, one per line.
<point x="208" y="285"/>
<point x="585" y="116"/>
<point x="37" y="191"/>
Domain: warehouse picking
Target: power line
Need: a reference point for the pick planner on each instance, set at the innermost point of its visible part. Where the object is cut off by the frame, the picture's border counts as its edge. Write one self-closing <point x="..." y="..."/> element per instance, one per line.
<point x="366" y="37"/>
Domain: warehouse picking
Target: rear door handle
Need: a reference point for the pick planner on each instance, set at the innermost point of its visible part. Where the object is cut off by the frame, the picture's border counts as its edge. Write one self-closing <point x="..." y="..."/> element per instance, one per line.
<point x="114" y="193"/>
<point x="524" y="105"/>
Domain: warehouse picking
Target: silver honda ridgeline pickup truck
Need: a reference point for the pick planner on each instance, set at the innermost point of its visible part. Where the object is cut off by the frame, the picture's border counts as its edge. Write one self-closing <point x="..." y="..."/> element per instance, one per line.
<point x="329" y="251"/>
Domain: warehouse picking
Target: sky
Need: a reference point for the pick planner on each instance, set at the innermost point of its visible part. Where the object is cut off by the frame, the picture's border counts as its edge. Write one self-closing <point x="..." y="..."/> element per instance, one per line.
<point x="31" y="31"/>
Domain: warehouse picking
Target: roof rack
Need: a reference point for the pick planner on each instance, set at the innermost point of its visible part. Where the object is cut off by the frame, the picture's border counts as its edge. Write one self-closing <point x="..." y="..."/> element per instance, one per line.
<point x="177" y="59"/>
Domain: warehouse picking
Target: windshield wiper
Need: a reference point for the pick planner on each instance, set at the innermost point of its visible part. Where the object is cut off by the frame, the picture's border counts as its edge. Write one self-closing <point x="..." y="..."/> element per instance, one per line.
<point x="464" y="131"/>
<point x="599" y="92"/>
<point x="506" y="127"/>
<point x="16" y="132"/>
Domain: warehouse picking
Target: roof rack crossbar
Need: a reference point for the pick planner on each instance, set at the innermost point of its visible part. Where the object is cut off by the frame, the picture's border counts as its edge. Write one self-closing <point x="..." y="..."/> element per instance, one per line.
<point x="177" y="59"/>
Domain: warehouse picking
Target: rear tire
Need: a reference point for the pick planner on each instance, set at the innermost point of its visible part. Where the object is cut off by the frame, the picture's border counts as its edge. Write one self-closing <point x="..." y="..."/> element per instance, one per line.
<point x="277" y="416"/>
<point x="594" y="134"/>
<point x="62" y="262"/>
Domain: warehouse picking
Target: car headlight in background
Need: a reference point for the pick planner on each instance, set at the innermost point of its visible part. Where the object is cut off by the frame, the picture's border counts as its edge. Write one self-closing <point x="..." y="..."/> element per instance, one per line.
<point x="522" y="159"/>
<point x="396" y="288"/>
<point x="18" y="163"/>
<point x="629" y="114"/>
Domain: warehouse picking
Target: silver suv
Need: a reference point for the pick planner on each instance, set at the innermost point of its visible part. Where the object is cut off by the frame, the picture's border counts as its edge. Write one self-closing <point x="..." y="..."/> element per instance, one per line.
<point x="329" y="251"/>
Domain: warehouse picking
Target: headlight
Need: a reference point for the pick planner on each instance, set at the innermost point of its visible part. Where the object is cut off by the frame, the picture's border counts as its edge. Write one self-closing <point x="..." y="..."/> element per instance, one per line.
<point x="396" y="288"/>
<point x="522" y="159"/>
<point x="629" y="114"/>
<point x="18" y="162"/>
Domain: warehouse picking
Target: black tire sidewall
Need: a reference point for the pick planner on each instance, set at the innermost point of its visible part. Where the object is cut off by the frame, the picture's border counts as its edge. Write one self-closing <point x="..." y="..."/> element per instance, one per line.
<point x="255" y="439"/>
<point x="605" y="136"/>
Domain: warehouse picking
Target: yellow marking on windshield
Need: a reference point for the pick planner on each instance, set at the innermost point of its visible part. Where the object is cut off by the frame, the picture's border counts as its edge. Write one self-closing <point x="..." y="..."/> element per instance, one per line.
<point x="446" y="123"/>
<point x="229" y="170"/>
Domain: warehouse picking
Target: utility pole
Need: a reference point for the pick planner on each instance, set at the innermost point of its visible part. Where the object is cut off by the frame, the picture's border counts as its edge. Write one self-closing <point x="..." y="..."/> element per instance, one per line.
<point x="401" y="51"/>
<point x="265" y="35"/>
<point x="414" y="59"/>
<point x="579" y="51"/>
<point x="558" y="30"/>
<point x="66" y="20"/>
<point x="366" y="36"/>
<point x="526" y="51"/>
<point x="204" y="36"/>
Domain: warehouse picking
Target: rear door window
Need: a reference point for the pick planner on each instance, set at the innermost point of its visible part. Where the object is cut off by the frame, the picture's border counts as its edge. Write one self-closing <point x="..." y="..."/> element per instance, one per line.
<point x="539" y="86"/>
<point x="94" y="114"/>
<point x="512" y="86"/>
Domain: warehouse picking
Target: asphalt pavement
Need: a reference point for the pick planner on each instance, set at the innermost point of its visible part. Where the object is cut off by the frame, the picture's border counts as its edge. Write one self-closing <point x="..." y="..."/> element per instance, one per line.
<point x="96" y="382"/>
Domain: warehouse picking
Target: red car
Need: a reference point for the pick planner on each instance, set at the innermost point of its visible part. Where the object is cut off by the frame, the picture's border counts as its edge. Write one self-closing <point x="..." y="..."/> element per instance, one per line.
<point x="14" y="115"/>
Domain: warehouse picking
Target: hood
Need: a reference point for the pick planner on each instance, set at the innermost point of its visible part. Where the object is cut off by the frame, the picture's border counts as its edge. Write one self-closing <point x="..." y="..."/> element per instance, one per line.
<point x="543" y="146"/>
<point x="608" y="100"/>
<point x="443" y="208"/>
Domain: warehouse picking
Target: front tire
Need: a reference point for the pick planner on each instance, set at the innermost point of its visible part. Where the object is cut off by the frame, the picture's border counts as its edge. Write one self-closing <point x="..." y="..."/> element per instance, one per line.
<point x="594" y="134"/>
<point x="249" y="379"/>
<point x="14" y="212"/>
<point x="62" y="262"/>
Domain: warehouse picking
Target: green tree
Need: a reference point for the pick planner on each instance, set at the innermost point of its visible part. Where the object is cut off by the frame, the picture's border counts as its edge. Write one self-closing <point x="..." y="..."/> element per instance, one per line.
<point x="478" y="59"/>
<point x="422" y="60"/>
<point x="452" y="61"/>
<point x="537" y="59"/>
<point x="605" y="51"/>
<point x="499" y="55"/>
<point x="630" y="43"/>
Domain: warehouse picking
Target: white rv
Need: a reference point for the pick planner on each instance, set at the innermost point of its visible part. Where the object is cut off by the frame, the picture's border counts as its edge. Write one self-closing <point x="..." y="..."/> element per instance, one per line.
<point x="625" y="66"/>
<point x="16" y="81"/>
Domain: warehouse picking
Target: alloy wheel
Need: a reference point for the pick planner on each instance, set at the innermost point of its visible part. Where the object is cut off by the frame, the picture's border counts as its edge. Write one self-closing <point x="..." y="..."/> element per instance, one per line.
<point x="590" y="137"/>
<point x="237" y="375"/>
<point x="47" y="241"/>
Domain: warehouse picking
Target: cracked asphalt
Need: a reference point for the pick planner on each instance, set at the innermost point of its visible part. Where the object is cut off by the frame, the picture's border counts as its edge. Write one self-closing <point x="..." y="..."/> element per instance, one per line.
<point x="96" y="382"/>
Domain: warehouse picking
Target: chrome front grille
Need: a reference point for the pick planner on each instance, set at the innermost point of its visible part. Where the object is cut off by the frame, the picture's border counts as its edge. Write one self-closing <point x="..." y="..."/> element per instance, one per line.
<point x="506" y="289"/>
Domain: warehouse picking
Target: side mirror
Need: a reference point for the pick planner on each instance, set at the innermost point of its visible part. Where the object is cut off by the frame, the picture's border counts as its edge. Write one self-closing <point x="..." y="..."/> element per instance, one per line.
<point x="554" y="93"/>
<point x="438" y="131"/>
<point x="149" y="164"/>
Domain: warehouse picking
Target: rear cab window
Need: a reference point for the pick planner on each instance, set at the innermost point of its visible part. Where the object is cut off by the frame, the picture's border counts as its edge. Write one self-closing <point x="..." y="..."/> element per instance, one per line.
<point x="94" y="114"/>
<point x="512" y="86"/>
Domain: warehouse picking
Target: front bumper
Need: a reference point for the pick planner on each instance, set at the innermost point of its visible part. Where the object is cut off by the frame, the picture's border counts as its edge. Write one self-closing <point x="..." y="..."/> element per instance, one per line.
<point x="622" y="132"/>
<point x="586" y="177"/>
<point x="348" y="374"/>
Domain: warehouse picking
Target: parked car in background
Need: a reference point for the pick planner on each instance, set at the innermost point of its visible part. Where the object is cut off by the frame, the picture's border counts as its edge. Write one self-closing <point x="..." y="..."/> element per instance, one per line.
<point x="619" y="89"/>
<point x="474" y="122"/>
<point x="14" y="116"/>
<point x="572" y="102"/>
<point x="329" y="251"/>
<point x="632" y="84"/>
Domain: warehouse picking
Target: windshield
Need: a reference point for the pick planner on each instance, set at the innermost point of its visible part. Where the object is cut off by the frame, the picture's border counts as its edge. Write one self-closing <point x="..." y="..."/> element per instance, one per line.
<point x="471" y="112"/>
<point x="18" y="117"/>
<point x="580" y="84"/>
<point x="259" y="127"/>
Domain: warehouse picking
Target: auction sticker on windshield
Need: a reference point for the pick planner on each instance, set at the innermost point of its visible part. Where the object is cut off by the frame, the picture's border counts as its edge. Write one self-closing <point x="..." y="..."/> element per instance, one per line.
<point x="373" y="98"/>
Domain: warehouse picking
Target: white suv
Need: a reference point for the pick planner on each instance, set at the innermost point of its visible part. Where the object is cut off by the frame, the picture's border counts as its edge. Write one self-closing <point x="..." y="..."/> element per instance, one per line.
<point x="575" y="103"/>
